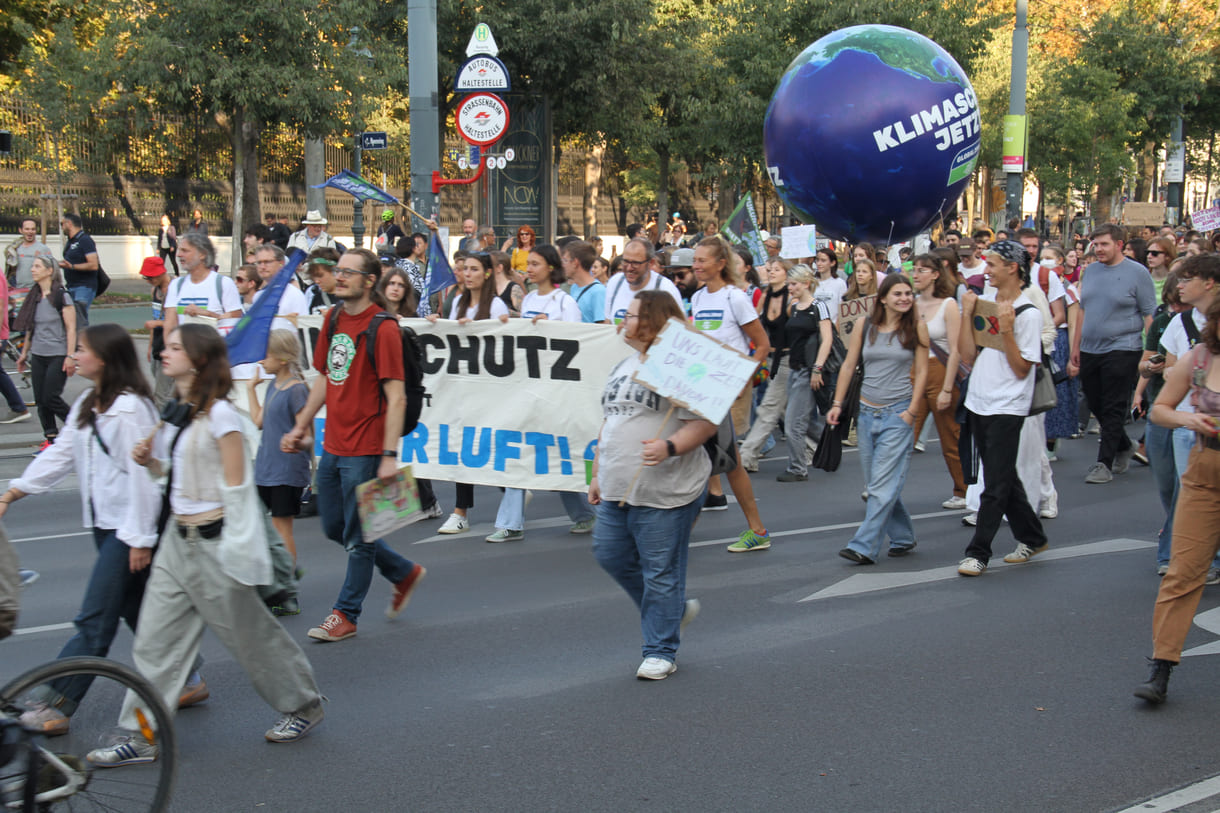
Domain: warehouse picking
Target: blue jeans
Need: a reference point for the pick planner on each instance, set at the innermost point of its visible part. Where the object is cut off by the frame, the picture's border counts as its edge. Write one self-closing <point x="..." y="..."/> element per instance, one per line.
<point x="1158" y="443"/>
<point x="511" y="514"/>
<point x="114" y="593"/>
<point x="644" y="550"/>
<point x="84" y="295"/>
<point x="886" y="442"/>
<point x="336" y="484"/>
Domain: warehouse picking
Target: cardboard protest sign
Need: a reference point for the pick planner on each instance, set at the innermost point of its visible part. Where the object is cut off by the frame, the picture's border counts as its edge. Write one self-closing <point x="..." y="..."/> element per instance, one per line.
<point x="987" y="325"/>
<point x="853" y="310"/>
<point x="1143" y="214"/>
<point x="1206" y="219"/>
<point x="695" y="371"/>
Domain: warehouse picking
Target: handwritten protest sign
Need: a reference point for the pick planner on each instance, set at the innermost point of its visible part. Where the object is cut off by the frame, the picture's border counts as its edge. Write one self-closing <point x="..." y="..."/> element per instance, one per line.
<point x="1206" y="219"/>
<point x="695" y="371"/>
<point x="987" y="325"/>
<point x="853" y="310"/>
<point x="797" y="242"/>
<point x="387" y="507"/>
<point x="1143" y="214"/>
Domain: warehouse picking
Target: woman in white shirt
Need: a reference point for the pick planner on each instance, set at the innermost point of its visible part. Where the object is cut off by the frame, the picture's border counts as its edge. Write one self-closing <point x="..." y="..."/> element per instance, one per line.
<point x="477" y="300"/>
<point x="213" y="554"/>
<point x="723" y="311"/>
<point x="119" y="501"/>
<point x="830" y="288"/>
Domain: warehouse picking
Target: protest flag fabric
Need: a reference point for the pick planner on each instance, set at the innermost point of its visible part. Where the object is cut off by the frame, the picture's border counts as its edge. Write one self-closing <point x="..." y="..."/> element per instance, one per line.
<point x="440" y="275"/>
<point x="358" y="187"/>
<point x="247" y="340"/>
<point x="742" y="229"/>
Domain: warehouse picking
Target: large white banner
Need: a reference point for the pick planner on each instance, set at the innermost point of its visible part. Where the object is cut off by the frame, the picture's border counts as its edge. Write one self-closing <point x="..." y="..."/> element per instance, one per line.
<point x="509" y="404"/>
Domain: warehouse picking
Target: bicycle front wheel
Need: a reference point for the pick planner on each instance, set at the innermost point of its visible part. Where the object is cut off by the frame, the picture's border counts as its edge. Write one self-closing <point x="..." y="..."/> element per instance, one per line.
<point x="66" y="779"/>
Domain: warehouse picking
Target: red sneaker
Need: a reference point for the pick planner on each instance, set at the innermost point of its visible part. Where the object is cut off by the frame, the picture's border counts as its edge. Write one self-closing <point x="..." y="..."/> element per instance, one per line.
<point x="336" y="627"/>
<point x="402" y="591"/>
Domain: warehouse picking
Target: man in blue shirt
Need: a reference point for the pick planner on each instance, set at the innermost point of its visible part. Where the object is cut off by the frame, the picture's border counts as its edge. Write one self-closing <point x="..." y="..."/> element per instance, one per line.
<point x="1117" y="300"/>
<point x="80" y="262"/>
<point x="590" y="295"/>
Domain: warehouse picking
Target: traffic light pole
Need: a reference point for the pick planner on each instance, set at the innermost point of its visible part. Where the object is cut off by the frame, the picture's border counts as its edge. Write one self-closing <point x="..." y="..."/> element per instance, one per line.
<point x="1015" y="191"/>
<point x="425" y="108"/>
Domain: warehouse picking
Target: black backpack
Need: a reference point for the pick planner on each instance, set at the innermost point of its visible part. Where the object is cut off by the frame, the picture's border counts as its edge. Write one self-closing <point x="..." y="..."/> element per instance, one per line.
<point x="412" y="362"/>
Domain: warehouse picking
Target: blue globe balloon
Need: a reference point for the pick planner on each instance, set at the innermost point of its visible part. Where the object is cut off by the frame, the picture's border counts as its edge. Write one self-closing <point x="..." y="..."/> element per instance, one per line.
<point x="872" y="134"/>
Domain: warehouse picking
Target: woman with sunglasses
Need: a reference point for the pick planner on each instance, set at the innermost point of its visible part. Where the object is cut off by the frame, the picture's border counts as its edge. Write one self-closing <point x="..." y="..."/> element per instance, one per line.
<point x="248" y="282"/>
<point x="1161" y="253"/>
<point x="520" y="247"/>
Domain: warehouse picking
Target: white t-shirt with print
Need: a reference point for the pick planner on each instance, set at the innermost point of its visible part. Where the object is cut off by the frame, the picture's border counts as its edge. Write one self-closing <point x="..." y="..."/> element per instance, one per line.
<point x="722" y="314"/>
<point x="830" y="292"/>
<point x="557" y="306"/>
<point x="183" y="291"/>
<point x="619" y="294"/>
<point x="994" y="387"/>
<point x="498" y="309"/>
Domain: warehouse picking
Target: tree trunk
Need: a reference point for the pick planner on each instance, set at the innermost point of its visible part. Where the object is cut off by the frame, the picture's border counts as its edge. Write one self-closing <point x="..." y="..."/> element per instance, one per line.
<point x="1207" y="180"/>
<point x="243" y="136"/>
<point x="593" y="184"/>
<point x="662" y="187"/>
<point x="727" y="198"/>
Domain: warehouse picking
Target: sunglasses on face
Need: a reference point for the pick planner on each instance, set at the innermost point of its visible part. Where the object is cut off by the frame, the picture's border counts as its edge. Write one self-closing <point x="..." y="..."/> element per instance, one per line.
<point x="1156" y="253"/>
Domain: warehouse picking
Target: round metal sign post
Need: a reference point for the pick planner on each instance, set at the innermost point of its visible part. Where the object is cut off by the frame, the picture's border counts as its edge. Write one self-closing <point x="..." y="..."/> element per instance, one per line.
<point x="482" y="118"/>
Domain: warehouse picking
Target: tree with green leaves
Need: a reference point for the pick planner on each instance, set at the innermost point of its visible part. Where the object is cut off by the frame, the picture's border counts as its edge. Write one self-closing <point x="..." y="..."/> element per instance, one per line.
<point x="250" y="63"/>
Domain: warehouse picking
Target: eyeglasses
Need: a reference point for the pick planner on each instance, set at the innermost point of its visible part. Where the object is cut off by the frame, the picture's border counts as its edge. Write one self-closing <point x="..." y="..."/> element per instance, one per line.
<point x="635" y="263"/>
<point x="344" y="273"/>
<point x="1156" y="254"/>
<point x="240" y="279"/>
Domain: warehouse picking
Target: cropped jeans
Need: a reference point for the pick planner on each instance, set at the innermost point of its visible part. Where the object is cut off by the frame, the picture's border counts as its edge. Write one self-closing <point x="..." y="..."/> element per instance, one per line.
<point x="886" y="442"/>
<point x="644" y="550"/>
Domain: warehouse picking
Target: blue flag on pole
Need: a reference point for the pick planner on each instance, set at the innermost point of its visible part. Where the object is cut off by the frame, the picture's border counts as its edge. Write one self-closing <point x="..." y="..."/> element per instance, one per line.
<point x="358" y="187"/>
<point x="247" y="340"/>
<point x="440" y="274"/>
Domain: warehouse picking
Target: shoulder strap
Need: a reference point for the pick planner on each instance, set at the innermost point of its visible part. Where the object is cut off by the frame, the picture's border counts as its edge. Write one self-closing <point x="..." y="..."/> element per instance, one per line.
<point x="181" y="281"/>
<point x="656" y="286"/>
<point x="220" y="296"/>
<point x="1188" y="324"/>
<point x="370" y="336"/>
<point x="1022" y="309"/>
<point x="97" y="434"/>
<point x="618" y="287"/>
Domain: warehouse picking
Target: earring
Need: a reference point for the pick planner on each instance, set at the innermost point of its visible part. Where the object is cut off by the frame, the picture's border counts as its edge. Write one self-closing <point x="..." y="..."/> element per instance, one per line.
<point x="193" y="371"/>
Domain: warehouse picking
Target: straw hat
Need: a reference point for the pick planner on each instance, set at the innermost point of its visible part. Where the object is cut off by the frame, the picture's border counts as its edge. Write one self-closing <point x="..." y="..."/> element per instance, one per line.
<point x="314" y="218"/>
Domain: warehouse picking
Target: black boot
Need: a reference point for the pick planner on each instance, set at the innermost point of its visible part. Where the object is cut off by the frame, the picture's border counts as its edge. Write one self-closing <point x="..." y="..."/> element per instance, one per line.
<point x="1156" y="688"/>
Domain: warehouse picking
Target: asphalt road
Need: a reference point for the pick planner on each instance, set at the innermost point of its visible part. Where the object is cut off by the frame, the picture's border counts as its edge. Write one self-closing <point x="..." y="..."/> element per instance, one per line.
<point x="508" y="684"/>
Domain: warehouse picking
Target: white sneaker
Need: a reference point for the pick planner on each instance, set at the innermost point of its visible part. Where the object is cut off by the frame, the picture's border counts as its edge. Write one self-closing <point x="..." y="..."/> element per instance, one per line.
<point x="919" y="447"/>
<point x="1050" y="508"/>
<point x="454" y="525"/>
<point x="654" y="668"/>
<point x="1023" y="553"/>
<point x="434" y="511"/>
<point x="954" y="503"/>
<point x="971" y="519"/>
<point x="970" y="567"/>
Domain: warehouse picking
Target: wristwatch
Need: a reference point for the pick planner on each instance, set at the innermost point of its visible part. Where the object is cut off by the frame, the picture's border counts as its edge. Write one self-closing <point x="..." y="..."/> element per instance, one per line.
<point x="670" y="449"/>
<point x="389" y="453"/>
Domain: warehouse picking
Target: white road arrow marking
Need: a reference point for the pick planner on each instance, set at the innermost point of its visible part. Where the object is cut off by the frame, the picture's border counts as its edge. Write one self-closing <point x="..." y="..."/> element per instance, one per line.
<point x="872" y="582"/>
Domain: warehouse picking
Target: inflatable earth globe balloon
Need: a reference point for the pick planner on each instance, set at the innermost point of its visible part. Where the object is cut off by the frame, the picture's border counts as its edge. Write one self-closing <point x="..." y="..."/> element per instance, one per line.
<point x="872" y="134"/>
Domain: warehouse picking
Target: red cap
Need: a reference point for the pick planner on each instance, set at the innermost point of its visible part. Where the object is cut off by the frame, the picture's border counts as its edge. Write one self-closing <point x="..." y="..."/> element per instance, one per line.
<point x="152" y="267"/>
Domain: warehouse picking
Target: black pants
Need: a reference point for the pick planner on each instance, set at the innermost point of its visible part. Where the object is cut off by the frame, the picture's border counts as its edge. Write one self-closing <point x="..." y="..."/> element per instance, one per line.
<point x="465" y="496"/>
<point x="173" y="257"/>
<point x="48" y="379"/>
<point x="997" y="438"/>
<point x="1108" y="380"/>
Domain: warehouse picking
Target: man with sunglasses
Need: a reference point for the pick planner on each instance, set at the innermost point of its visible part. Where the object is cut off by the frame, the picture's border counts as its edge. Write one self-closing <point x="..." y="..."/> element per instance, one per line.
<point x="1117" y="300"/>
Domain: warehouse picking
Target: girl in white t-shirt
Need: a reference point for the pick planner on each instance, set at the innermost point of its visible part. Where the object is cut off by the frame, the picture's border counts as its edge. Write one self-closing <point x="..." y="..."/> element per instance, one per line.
<point x="831" y="288"/>
<point x="723" y="310"/>
<point x="548" y="301"/>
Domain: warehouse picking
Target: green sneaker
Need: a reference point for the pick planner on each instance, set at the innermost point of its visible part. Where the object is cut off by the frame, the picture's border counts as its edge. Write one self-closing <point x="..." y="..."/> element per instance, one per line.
<point x="585" y="526"/>
<point x="505" y="535"/>
<point x="749" y="541"/>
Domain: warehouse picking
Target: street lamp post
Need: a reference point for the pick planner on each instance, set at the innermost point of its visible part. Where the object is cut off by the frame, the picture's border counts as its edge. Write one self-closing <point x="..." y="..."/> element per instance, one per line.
<point x="354" y="47"/>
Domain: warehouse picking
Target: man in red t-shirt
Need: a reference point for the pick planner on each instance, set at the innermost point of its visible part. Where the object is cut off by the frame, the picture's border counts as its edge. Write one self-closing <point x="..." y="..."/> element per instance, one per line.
<point x="365" y="405"/>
